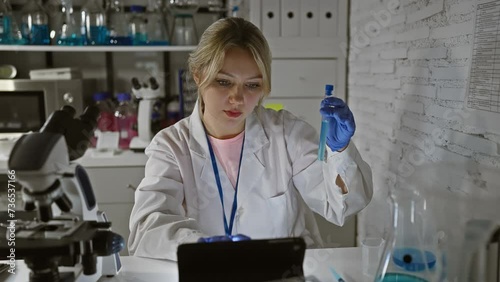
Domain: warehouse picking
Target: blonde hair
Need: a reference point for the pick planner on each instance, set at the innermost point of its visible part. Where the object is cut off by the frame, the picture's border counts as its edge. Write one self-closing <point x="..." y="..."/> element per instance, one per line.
<point x="207" y="60"/>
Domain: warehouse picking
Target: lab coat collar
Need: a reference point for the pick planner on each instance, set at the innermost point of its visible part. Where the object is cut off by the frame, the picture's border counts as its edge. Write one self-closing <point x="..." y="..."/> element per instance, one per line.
<point x="255" y="136"/>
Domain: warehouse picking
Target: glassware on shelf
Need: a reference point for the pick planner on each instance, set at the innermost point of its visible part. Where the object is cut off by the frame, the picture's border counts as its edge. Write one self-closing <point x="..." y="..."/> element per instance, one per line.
<point x="70" y="32"/>
<point x="137" y="25"/>
<point x="156" y="25"/>
<point x="35" y="23"/>
<point x="118" y="27"/>
<point x="94" y="16"/>
<point x="184" y="27"/>
<point x="5" y="22"/>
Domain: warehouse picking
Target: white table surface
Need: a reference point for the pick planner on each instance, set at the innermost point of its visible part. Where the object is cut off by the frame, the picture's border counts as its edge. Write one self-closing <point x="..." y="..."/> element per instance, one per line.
<point x="346" y="261"/>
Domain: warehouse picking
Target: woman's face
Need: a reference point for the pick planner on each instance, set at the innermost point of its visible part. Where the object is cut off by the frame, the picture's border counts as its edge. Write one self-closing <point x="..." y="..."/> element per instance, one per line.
<point x="233" y="95"/>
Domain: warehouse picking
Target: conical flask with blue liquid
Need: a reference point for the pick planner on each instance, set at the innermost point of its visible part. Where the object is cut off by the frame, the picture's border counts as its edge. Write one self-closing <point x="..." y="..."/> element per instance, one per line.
<point x="412" y="252"/>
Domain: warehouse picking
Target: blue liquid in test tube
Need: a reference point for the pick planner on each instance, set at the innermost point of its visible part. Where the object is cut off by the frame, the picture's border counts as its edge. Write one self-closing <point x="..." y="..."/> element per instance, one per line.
<point x="324" y="126"/>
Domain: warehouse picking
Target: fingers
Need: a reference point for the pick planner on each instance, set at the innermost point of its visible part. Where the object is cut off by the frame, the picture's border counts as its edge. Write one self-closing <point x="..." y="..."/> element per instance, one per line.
<point x="332" y="102"/>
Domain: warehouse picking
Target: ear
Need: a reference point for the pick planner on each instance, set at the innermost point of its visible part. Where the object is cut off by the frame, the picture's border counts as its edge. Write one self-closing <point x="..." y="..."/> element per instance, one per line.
<point x="196" y="78"/>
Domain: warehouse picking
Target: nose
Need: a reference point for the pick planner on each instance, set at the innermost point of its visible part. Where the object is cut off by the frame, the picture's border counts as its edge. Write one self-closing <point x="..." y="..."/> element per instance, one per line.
<point x="236" y="96"/>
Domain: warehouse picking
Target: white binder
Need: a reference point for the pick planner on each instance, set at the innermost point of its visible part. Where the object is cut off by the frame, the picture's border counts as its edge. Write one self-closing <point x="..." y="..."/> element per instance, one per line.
<point x="328" y="18"/>
<point x="290" y="18"/>
<point x="309" y="18"/>
<point x="271" y="19"/>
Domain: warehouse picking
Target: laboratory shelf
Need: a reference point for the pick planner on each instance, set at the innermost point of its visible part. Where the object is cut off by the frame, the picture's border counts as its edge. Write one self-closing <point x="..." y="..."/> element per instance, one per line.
<point x="58" y="48"/>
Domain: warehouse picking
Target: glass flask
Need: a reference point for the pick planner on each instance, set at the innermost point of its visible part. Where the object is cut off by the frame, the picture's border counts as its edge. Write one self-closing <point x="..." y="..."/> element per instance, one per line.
<point x="70" y="33"/>
<point x="118" y="28"/>
<point x="94" y="18"/>
<point x="156" y="25"/>
<point x="5" y="23"/>
<point x="437" y="235"/>
<point x="35" y="23"/>
<point x="184" y="27"/>
<point x="137" y="25"/>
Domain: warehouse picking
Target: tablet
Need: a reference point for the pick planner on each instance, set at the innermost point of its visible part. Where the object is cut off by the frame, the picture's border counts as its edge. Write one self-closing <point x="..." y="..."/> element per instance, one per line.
<point x="253" y="260"/>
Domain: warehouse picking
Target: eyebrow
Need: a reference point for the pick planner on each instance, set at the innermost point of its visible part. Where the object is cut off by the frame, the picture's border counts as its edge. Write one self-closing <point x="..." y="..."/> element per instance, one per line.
<point x="228" y="74"/>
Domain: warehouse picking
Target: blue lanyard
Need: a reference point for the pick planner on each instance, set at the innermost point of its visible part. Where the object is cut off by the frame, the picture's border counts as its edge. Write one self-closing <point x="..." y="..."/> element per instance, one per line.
<point x="227" y="228"/>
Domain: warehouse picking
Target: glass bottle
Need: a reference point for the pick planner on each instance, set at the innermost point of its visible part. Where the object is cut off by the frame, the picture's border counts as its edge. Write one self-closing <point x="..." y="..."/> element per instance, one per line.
<point x="118" y="25"/>
<point x="106" y="120"/>
<point x="35" y="23"/>
<point x="70" y="33"/>
<point x="125" y="120"/>
<point x="95" y="23"/>
<point x="137" y="25"/>
<point x="5" y="22"/>
<point x="156" y="25"/>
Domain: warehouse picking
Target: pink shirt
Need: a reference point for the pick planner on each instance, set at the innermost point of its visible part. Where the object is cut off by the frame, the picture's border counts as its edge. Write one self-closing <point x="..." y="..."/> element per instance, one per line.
<point x="228" y="153"/>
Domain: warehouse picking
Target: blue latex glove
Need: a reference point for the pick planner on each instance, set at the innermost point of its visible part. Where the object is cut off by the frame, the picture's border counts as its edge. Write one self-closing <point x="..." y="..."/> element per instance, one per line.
<point x="233" y="238"/>
<point x="341" y="122"/>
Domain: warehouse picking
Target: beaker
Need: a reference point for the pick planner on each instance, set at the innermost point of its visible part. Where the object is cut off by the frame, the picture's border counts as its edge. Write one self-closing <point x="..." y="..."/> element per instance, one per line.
<point x="118" y="25"/>
<point x="70" y="33"/>
<point x="435" y="234"/>
<point x="95" y="23"/>
<point x="35" y="23"/>
<point x="184" y="27"/>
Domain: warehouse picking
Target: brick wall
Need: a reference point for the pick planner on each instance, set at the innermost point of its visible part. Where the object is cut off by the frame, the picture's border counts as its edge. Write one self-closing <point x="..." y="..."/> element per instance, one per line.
<point x="408" y="70"/>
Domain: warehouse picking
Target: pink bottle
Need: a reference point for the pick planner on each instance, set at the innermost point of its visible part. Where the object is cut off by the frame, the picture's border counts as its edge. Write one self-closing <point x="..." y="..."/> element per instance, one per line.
<point x="125" y="120"/>
<point x="106" y="120"/>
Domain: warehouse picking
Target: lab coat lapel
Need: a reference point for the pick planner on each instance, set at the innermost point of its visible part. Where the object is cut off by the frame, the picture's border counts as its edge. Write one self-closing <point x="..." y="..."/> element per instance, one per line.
<point x="251" y="167"/>
<point x="202" y="164"/>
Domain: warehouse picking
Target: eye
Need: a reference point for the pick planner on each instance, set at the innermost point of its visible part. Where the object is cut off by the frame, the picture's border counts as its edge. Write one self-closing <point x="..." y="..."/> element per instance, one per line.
<point x="253" y="85"/>
<point x="223" y="82"/>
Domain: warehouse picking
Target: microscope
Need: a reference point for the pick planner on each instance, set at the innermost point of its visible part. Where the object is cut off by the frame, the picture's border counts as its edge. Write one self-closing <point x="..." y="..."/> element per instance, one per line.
<point x="70" y="239"/>
<point x="148" y="95"/>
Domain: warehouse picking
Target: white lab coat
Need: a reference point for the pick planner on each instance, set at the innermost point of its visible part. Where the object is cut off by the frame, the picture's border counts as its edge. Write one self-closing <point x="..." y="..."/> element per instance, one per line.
<point x="281" y="180"/>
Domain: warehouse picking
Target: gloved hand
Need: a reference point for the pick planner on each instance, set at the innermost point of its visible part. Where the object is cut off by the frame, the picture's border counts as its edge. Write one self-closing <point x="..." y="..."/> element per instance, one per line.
<point x="341" y="122"/>
<point x="233" y="238"/>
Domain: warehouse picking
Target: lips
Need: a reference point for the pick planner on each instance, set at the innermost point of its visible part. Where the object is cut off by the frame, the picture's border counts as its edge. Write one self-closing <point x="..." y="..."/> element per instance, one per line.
<point x="233" y="114"/>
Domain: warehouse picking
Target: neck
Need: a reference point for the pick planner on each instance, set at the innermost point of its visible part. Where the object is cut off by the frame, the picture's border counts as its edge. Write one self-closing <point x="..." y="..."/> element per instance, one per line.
<point x="222" y="133"/>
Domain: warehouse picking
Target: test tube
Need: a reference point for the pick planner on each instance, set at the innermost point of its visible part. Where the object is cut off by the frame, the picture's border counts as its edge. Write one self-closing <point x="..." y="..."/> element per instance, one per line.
<point x="329" y="89"/>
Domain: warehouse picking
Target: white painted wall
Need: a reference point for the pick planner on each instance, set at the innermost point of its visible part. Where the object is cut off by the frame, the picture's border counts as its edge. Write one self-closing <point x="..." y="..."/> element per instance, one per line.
<point x="408" y="71"/>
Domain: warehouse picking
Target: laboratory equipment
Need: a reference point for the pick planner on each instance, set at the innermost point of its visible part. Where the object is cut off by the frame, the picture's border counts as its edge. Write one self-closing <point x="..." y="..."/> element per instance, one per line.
<point x="70" y="32"/>
<point x="125" y="120"/>
<point x="118" y="29"/>
<point x="156" y="26"/>
<point x="329" y="90"/>
<point x="95" y="23"/>
<point x="35" y="23"/>
<point x="148" y="95"/>
<point x="435" y="234"/>
<point x="184" y="27"/>
<point x="106" y="119"/>
<point x="137" y="25"/>
<point x="73" y="234"/>
<point x="5" y="23"/>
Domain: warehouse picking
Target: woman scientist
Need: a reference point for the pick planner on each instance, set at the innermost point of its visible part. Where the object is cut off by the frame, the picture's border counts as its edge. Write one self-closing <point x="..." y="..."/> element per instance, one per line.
<point x="234" y="167"/>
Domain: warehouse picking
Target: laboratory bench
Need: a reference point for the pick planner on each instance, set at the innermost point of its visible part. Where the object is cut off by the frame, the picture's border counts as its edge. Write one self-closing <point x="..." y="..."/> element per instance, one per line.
<point x="317" y="263"/>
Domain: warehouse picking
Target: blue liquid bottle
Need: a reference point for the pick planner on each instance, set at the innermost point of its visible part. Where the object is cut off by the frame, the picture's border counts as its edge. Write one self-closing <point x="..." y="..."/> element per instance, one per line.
<point x="35" y="24"/>
<point x="329" y="89"/>
<point x="96" y="31"/>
